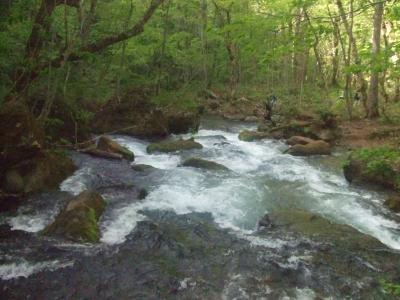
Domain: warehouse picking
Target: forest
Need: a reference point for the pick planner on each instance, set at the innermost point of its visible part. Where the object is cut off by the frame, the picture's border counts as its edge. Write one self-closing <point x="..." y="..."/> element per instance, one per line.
<point x="158" y="134"/>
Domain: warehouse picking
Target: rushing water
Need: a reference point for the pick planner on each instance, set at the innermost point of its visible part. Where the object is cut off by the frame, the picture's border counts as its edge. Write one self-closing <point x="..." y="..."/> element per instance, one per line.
<point x="262" y="180"/>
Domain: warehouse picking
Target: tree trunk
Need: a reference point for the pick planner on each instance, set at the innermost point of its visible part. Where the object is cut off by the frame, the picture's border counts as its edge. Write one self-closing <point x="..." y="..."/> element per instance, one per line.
<point x="204" y="43"/>
<point x="373" y="94"/>
<point x="361" y="81"/>
<point x="335" y="56"/>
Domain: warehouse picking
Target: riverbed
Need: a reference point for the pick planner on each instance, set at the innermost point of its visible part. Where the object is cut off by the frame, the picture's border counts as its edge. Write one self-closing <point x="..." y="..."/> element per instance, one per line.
<point x="196" y="234"/>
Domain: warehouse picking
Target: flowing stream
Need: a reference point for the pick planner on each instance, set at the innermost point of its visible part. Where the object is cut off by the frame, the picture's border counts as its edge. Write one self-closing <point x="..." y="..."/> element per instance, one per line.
<point x="262" y="180"/>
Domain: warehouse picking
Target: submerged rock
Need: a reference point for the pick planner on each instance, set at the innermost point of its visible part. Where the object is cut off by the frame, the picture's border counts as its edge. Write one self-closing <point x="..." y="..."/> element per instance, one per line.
<point x="78" y="221"/>
<point x="105" y="143"/>
<point x="172" y="146"/>
<point x="250" y="136"/>
<point x="200" y="163"/>
<point x="143" y="168"/>
<point x="312" y="148"/>
<point x="319" y="229"/>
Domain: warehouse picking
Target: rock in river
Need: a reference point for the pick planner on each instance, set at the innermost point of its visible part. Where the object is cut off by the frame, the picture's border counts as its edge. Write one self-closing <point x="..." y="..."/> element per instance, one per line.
<point x="200" y="163"/>
<point x="172" y="146"/>
<point x="78" y="221"/>
<point x="105" y="143"/>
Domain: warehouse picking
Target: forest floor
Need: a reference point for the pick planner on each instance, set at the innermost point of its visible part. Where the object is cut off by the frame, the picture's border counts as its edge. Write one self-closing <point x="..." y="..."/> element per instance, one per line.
<point x="369" y="133"/>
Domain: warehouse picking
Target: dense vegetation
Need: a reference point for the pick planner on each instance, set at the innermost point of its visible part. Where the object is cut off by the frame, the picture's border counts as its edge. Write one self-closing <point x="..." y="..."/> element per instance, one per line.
<point x="77" y="54"/>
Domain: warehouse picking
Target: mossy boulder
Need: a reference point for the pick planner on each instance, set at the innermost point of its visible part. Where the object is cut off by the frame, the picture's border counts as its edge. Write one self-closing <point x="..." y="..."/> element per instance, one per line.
<point x="250" y="136"/>
<point x="312" y="148"/>
<point x="173" y="146"/>
<point x="21" y="136"/>
<point x="200" y="163"/>
<point x="41" y="173"/>
<point x="78" y="221"/>
<point x="105" y="143"/>
<point x="393" y="203"/>
<point x="378" y="166"/>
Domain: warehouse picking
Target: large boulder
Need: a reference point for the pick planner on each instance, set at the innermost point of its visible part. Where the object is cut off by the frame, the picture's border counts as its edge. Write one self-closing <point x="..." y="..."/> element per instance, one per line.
<point x="250" y="136"/>
<point x="377" y="166"/>
<point x="41" y="173"/>
<point x="105" y="143"/>
<point x="312" y="148"/>
<point x="78" y="221"/>
<point x="21" y="136"/>
<point x="173" y="146"/>
<point x="200" y="163"/>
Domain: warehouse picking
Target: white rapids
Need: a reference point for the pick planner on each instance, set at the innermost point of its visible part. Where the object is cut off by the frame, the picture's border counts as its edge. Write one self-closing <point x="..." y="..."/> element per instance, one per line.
<point x="262" y="178"/>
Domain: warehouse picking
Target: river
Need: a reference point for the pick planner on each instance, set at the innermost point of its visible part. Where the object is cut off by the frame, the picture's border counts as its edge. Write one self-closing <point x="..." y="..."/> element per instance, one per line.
<point x="195" y="235"/>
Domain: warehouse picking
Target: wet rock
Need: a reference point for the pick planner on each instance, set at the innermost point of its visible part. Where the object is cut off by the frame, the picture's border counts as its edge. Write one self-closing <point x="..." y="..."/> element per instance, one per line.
<point x="312" y="148"/>
<point x="78" y="221"/>
<point x="106" y="144"/>
<point x="42" y="173"/>
<point x="200" y="163"/>
<point x="301" y="140"/>
<point x="393" y="203"/>
<point x="265" y="222"/>
<point x="172" y="146"/>
<point x="143" y="194"/>
<point x="250" y="136"/>
<point x="143" y="168"/>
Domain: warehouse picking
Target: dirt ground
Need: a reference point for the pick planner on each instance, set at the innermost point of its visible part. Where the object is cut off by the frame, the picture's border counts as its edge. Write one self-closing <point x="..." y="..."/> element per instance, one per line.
<point x="369" y="133"/>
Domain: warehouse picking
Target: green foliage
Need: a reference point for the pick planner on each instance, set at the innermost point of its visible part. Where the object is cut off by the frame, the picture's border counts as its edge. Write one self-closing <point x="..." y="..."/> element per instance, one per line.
<point x="380" y="162"/>
<point x="390" y="288"/>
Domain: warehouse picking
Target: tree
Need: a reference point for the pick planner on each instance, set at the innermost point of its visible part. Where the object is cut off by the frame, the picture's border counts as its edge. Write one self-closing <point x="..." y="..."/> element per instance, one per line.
<point x="373" y="95"/>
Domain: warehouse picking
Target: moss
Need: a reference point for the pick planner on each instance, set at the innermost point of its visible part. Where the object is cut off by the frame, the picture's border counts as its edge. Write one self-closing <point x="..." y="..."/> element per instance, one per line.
<point x="172" y="146"/>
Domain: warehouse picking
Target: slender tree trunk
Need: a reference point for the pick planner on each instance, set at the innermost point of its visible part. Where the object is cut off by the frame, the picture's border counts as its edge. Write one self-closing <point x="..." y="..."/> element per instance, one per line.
<point x="204" y="43"/>
<point x="360" y="77"/>
<point x="373" y="94"/>
<point x="335" y="56"/>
